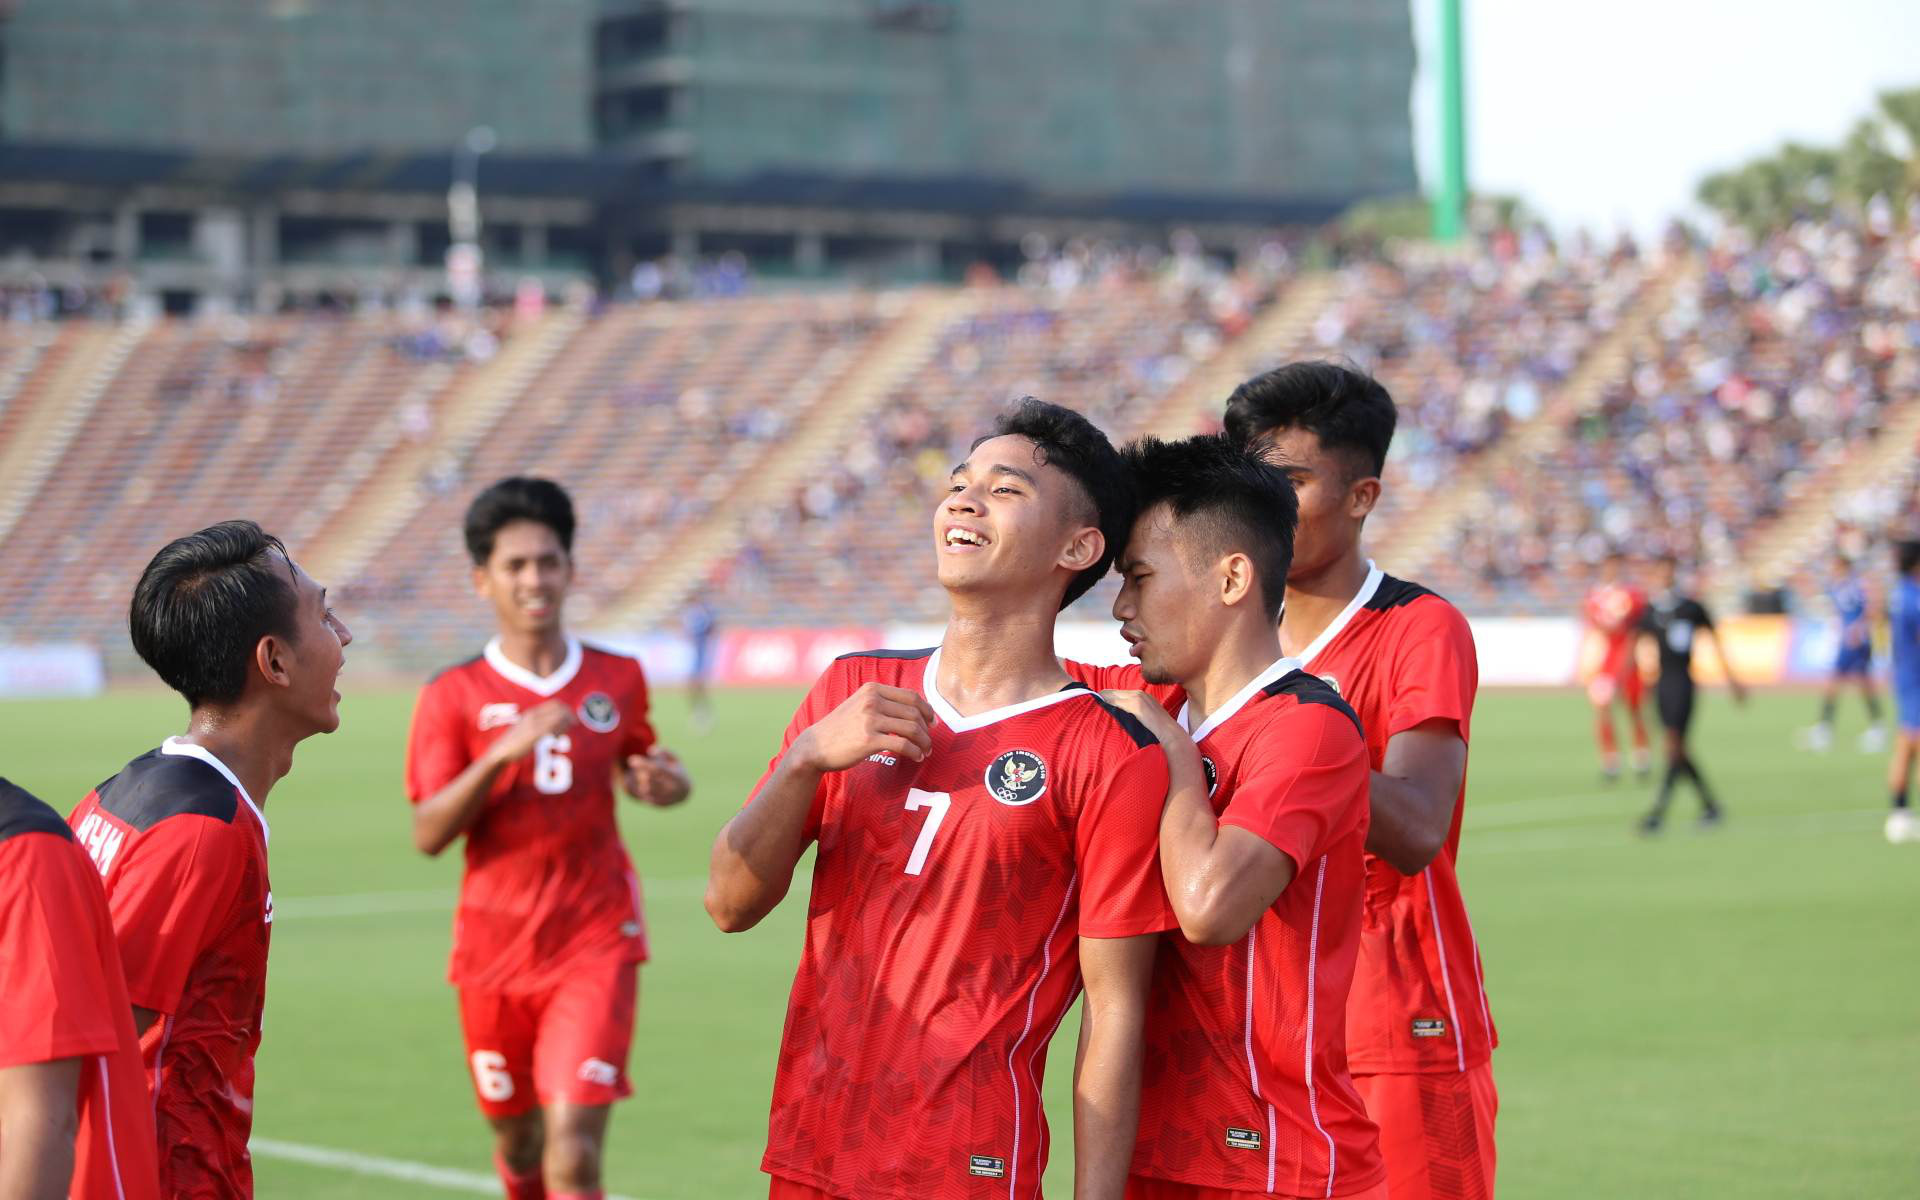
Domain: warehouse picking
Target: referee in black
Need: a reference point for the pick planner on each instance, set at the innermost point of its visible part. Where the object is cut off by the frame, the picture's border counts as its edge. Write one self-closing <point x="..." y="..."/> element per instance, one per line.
<point x="1677" y="622"/>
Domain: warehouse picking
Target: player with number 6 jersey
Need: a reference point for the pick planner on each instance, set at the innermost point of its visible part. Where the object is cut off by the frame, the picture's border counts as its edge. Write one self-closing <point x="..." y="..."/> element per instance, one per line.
<point x="518" y="749"/>
<point x="986" y="832"/>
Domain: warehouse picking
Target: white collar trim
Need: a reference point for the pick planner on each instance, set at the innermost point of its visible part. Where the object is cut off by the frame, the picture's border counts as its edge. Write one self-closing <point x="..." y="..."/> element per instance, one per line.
<point x="1280" y="667"/>
<point x="951" y="717"/>
<point x="1339" y="624"/>
<point x="539" y="685"/>
<point x="185" y="749"/>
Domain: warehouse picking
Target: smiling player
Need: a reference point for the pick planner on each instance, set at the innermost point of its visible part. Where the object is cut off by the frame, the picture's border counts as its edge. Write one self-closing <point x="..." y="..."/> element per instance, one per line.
<point x="517" y="749"/>
<point x="179" y="835"/>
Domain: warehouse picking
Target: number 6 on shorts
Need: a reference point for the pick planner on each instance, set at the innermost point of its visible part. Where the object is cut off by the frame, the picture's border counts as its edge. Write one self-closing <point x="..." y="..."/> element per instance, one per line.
<point x="490" y="1076"/>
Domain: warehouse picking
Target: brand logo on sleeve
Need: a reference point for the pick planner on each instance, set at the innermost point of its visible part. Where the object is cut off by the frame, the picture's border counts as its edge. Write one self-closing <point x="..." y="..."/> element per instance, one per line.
<point x="1333" y="683"/>
<point x="598" y="713"/>
<point x="1213" y="774"/>
<point x="269" y="916"/>
<point x="496" y="716"/>
<point x="1424" y="1027"/>
<point x="101" y="839"/>
<point x="1017" y="777"/>
<point x="1242" y="1139"/>
<point x="987" y="1165"/>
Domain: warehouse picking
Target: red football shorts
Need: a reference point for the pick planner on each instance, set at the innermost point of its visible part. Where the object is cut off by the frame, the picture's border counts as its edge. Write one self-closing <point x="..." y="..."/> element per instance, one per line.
<point x="1436" y="1132"/>
<point x="1617" y="678"/>
<point x="567" y="1043"/>
<point x="1141" y="1188"/>
<point x="779" y="1188"/>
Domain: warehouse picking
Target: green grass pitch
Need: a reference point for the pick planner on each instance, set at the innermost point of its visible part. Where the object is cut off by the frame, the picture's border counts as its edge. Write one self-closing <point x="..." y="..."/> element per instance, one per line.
<point x="1729" y="1014"/>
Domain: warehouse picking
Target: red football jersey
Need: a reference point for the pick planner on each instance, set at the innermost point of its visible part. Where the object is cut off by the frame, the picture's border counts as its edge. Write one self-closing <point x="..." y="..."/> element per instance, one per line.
<point x="183" y="851"/>
<point x="1246" y="1086"/>
<point x="942" y="935"/>
<point x="1402" y="656"/>
<point x="66" y="997"/>
<point x="1614" y="610"/>
<point x="548" y="882"/>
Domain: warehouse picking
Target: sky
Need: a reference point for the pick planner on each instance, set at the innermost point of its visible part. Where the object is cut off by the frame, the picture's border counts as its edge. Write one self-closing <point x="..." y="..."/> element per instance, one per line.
<point x="1603" y="115"/>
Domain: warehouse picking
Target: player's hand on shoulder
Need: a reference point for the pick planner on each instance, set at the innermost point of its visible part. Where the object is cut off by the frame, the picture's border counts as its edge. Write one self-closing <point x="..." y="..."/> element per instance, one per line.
<point x="876" y="719"/>
<point x="1149" y="712"/>
<point x="657" y="778"/>
<point x="542" y="720"/>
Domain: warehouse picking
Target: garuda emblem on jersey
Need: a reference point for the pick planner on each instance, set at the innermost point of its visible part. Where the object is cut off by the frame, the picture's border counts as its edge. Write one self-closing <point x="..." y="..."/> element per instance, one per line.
<point x="598" y="713"/>
<point x="1213" y="775"/>
<point x="1017" y="777"/>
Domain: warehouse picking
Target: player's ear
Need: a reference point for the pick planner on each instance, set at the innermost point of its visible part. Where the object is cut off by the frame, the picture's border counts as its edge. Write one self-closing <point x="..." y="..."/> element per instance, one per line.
<point x="1362" y="496"/>
<point x="480" y="581"/>
<point x="1234" y="575"/>
<point x="270" y="656"/>
<point x="1084" y="548"/>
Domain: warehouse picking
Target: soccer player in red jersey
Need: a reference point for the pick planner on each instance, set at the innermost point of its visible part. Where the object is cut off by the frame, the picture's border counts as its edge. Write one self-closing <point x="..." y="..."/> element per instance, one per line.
<point x="517" y="749"/>
<point x="1419" y="1037"/>
<point x="1613" y="610"/>
<point x="232" y="624"/>
<point x="75" y="1118"/>
<point x="1246" y="1089"/>
<point x="986" y="834"/>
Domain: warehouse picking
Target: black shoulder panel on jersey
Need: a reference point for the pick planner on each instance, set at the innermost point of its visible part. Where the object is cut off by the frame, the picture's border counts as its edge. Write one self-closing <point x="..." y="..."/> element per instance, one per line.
<point x="1311" y="689"/>
<point x="465" y="662"/>
<point x="1141" y="735"/>
<point x="1392" y="593"/>
<point x="23" y="812"/>
<point x="156" y="786"/>
<point x="926" y="652"/>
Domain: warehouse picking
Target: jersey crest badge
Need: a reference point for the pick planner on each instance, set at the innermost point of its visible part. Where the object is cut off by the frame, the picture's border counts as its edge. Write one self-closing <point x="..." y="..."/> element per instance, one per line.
<point x="598" y="713"/>
<point x="1017" y="777"/>
<point x="1213" y="775"/>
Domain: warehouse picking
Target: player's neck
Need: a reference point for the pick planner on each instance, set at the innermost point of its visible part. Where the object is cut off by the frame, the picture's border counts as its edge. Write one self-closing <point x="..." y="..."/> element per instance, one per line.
<point x="248" y="742"/>
<point x="1245" y="649"/>
<point x="1313" y="601"/>
<point x="540" y="652"/>
<point x="989" y="659"/>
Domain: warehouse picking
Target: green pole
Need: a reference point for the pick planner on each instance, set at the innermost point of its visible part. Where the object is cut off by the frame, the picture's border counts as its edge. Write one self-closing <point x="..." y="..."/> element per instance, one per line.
<point x="1450" y="198"/>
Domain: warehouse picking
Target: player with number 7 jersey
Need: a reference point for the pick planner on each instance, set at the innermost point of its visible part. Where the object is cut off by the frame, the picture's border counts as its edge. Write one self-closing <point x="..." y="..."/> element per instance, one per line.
<point x="986" y="833"/>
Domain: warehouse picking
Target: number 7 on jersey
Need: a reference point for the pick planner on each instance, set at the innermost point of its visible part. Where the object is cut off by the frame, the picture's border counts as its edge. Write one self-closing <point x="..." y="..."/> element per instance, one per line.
<point x="937" y="804"/>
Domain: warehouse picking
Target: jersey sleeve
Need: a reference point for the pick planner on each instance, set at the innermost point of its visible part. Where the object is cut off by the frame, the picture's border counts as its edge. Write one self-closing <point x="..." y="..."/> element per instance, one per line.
<point x="168" y="897"/>
<point x="1436" y="670"/>
<point x="1305" y="784"/>
<point x="636" y="729"/>
<point x="53" y="970"/>
<point x="1117" y="842"/>
<point x="437" y="744"/>
<point x="1701" y="616"/>
<point x="1125" y="677"/>
<point x="834" y="685"/>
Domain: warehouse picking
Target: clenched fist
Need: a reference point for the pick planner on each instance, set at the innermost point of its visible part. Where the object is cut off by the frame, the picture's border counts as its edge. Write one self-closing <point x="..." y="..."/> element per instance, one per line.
<point x="877" y="719"/>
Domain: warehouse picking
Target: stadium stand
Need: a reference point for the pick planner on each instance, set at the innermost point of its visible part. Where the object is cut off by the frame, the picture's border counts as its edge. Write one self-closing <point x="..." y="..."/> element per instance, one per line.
<point x="1730" y="402"/>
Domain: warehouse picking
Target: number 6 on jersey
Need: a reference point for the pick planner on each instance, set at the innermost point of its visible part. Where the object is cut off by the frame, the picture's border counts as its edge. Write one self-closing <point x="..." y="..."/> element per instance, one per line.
<point x="937" y="803"/>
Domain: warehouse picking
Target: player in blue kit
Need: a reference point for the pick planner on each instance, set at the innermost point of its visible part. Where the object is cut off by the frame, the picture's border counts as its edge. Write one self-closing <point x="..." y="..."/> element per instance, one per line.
<point x="1853" y="662"/>
<point x="1904" y="617"/>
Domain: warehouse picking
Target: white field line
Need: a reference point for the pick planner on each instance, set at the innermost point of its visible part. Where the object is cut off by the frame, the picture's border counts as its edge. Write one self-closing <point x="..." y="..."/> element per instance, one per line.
<point x="1595" y="836"/>
<point x="446" y="1178"/>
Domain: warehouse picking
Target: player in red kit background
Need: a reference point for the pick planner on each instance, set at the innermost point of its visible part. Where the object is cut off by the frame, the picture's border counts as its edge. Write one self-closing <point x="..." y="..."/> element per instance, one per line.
<point x="180" y="838"/>
<point x="1419" y="1035"/>
<point x="518" y="749"/>
<point x="1613" y="610"/>
<point x="986" y="836"/>
<point x="75" y="1118"/>
<point x="1246" y="1089"/>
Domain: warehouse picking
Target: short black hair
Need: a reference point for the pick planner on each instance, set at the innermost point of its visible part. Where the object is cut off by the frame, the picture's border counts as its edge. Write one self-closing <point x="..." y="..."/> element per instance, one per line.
<point x="1906" y="556"/>
<point x="517" y="498"/>
<point x="203" y="604"/>
<point x="1232" y="493"/>
<point x="1347" y="409"/>
<point x="1069" y="441"/>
